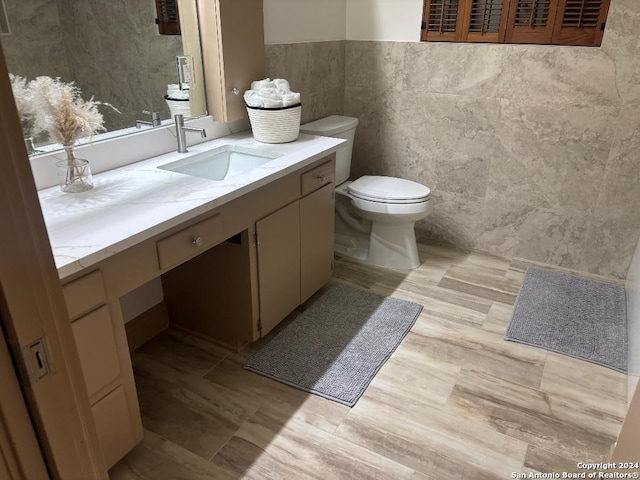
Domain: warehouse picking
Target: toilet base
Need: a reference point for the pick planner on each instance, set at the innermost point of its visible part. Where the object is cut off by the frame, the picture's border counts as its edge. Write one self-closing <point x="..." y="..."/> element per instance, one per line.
<point x="387" y="245"/>
<point x="393" y="246"/>
<point x="350" y="246"/>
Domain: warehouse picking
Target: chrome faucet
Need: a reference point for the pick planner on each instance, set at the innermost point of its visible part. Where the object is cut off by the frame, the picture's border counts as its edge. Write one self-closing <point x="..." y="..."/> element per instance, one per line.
<point x="181" y="130"/>
<point x="155" y="119"/>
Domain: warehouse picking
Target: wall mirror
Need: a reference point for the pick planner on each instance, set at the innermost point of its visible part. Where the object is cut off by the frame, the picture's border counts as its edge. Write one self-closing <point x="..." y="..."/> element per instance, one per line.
<point x="113" y="51"/>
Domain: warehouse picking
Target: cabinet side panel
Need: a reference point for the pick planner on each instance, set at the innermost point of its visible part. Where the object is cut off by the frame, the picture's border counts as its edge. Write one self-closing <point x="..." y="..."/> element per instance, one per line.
<point x="210" y="38"/>
<point x="316" y="240"/>
<point x="242" y="26"/>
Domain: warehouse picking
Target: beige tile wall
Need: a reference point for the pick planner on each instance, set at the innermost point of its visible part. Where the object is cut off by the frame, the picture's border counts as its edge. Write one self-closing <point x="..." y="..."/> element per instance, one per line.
<point x="314" y="69"/>
<point x="531" y="151"/>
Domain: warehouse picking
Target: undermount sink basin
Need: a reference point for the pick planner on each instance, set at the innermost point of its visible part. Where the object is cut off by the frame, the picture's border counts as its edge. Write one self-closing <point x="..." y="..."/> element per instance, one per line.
<point x="222" y="162"/>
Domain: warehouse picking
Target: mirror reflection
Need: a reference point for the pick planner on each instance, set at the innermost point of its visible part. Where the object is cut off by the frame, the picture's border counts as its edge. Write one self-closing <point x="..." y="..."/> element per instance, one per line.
<point x="112" y="51"/>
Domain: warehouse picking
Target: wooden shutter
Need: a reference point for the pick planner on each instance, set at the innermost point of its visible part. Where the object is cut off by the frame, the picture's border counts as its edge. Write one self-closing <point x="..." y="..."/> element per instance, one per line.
<point x="442" y="20"/>
<point x="580" y="22"/>
<point x="484" y="21"/>
<point x="464" y="20"/>
<point x="531" y="21"/>
<point x="558" y="22"/>
<point x="168" y="19"/>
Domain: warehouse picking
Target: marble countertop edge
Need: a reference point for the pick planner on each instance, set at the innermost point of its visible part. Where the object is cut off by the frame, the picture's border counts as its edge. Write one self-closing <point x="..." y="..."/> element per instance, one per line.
<point x="134" y="203"/>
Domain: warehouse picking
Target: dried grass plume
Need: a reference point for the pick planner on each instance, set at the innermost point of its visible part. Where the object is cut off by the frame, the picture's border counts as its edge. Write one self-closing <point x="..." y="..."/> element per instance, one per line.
<point x="23" y="97"/>
<point x="63" y="112"/>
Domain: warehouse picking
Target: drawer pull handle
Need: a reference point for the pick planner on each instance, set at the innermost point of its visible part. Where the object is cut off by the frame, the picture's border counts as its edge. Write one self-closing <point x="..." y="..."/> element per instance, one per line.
<point x="321" y="178"/>
<point x="197" y="241"/>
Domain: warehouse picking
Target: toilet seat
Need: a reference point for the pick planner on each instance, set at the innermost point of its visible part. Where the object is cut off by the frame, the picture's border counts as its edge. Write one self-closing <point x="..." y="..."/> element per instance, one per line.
<point x="388" y="190"/>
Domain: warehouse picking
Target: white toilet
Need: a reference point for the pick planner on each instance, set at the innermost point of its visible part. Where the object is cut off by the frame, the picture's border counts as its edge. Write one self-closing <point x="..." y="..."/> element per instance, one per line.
<point x="375" y="215"/>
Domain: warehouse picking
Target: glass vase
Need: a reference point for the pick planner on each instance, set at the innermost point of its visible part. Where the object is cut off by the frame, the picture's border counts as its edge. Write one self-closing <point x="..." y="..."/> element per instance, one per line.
<point x="74" y="173"/>
<point x="28" y="143"/>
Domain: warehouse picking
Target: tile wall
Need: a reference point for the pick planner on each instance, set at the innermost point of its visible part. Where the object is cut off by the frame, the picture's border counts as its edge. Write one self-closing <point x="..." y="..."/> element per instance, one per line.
<point x="316" y="70"/>
<point x="531" y="151"/>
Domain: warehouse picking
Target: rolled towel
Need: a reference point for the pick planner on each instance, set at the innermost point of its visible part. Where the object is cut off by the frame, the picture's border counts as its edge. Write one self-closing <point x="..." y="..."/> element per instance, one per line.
<point x="282" y="84"/>
<point x="268" y="103"/>
<point x="289" y="99"/>
<point x="178" y="94"/>
<point x="270" y="95"/>
<point x="261" y="84"/>
<point x="268" y="90"/>
<point x="252" y="98"/>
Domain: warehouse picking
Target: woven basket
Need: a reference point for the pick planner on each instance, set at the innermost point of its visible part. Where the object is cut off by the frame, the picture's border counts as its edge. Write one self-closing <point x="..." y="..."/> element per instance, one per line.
<point x="275" y="125"/>
<point x="181" y="106"/>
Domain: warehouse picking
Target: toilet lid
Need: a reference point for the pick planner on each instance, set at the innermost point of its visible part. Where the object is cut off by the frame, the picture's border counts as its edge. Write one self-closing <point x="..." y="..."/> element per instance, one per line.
<point x="388" y="190"/>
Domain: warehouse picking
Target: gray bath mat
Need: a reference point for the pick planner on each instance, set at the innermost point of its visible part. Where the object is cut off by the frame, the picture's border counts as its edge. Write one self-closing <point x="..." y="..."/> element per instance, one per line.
<point x="582" y="318"/>
<point x="336" y="346"/>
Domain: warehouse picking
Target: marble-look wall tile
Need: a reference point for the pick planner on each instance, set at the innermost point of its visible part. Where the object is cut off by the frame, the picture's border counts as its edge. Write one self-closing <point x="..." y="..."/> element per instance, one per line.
<point x="376" y="146"/>
<point x="34" y="45"/>
<point x="116" y="55"/>
<point x="613" y="232"/>
<point x="455" y="219"/>
<point x="375" y="65"/>
<point x="111" y="50"/>
<point x="619" y="44"/>
<point x="316" y="70"/>
<point x="525" y="146"/>
<point x="537" y="206"/>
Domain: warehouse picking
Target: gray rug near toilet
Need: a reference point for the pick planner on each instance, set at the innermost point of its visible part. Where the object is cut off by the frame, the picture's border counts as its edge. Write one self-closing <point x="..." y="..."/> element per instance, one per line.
<point x="336" y="346"/>
<point x="575" y="316"/>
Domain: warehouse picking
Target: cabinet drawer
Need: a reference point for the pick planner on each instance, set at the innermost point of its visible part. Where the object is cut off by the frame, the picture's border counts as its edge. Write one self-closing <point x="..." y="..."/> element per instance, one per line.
<point x="84" y="294"/>
<point x="113" y="424"/>
<point x="97" y="350"/>
<point x="314" y="179"/>
<point x="183" y="245"/>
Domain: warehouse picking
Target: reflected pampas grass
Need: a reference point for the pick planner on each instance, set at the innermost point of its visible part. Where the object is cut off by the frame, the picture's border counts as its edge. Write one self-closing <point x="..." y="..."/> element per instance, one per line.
<point x="63" y="112"/>
<point x="23" y="96"/>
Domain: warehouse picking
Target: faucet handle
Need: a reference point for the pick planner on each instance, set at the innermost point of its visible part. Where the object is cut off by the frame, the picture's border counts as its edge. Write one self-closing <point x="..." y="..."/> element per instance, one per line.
<point x="154" y="115"/>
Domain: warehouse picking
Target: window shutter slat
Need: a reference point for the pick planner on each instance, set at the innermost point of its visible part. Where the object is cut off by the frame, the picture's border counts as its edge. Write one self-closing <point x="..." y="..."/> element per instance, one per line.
<point x="580" y="22"/>
<point x="441" y="20"/>
<point x="168" y="17"/>
<point x="531" y="21"/>
<point x="484" y="21"/>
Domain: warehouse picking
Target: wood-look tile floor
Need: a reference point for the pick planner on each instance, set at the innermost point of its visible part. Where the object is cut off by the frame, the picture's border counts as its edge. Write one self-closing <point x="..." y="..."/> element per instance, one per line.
<point x="455" y="401"/>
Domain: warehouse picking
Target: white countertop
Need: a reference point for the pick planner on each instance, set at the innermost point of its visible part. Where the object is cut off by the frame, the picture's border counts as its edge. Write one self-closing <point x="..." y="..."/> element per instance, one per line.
<point x="131" y="204"/>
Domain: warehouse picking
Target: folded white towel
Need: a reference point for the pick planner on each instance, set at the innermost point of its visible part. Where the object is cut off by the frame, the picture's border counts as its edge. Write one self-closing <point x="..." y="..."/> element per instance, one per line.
<point x="261" y="84"/>
<point x="269" y="103"/>
<point x="282" y="85"/>
<point x="269" y="93"/>
<point x="178" y="94"/>
<point x="290" y="99"/>
<point x="252" y="98"/>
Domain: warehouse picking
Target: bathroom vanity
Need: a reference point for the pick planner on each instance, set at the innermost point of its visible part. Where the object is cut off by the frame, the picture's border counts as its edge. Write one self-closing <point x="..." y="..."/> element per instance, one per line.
<point x="235" y="257"/>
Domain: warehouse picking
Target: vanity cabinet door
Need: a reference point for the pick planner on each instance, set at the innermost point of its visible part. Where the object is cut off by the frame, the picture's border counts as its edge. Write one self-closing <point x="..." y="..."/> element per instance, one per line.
<point x="278" y="242"/>
<point x="316" y="240"/>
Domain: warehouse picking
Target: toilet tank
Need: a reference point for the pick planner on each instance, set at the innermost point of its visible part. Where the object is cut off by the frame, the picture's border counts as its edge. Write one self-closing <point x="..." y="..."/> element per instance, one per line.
<point x="339" y="127"/>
